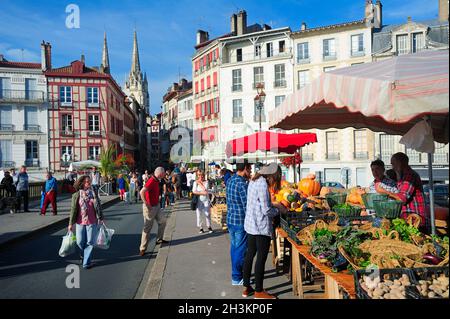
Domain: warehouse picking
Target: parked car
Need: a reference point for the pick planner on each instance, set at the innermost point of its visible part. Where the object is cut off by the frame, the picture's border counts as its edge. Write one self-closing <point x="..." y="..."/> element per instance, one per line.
<point x="440" y="194"/>
<point x="333" y="185"/>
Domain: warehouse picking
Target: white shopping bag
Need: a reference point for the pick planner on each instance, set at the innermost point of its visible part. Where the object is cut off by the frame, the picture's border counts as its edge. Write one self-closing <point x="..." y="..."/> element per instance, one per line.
<point x="104" y="237"/>
<point x="68" y="245"/>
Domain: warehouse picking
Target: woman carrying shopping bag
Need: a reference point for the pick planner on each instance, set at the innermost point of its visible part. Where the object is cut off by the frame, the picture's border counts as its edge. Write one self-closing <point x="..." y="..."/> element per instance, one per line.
<point x="86" y="214"/>
<point x="200" y="188"/>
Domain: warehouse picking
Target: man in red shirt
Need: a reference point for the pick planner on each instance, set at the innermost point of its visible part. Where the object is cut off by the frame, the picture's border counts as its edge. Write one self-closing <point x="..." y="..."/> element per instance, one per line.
<point x="410" y="188"/>
<point x="151" y="209"/>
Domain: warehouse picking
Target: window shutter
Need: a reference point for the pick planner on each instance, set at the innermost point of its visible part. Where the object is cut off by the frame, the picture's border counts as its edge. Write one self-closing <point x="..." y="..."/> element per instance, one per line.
<point x="203" y="84"/>
<point x="215" y="78"/>
<point x="208" y="81"/>
<point x="196" y="87"/>
<point x="217" y="53"/>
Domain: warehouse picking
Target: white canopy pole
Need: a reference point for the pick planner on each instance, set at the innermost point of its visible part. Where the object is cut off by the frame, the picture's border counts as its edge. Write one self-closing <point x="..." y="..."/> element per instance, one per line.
<point x="431" y="187"/>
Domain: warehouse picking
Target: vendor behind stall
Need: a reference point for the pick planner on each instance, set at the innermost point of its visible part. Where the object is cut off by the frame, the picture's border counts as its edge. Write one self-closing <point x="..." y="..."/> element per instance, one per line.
<point x="410" y="188"/>
<point x="381" y="179"/>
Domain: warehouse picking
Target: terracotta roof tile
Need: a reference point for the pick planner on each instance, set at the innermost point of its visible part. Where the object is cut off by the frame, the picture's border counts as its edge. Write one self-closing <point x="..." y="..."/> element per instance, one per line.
<point x="25" y="65"/>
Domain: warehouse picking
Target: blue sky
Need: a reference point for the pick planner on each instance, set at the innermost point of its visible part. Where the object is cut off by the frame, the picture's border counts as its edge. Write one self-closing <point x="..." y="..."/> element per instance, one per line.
<point x="166" y="29"/>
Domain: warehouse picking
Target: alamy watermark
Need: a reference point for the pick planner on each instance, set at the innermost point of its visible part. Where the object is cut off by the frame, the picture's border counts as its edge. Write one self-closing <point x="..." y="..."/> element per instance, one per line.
<point x="73" y="17"/>
<point x="73" y="279"/>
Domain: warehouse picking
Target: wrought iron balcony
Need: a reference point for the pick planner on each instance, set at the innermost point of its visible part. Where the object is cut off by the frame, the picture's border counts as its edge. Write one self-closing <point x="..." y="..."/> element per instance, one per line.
<point x="238" y="120"/>
<point x="28" y="96"/>
<point x="263" y="55"/>
<point x="32" y="162"/>
<point x="7" y="127"/>
<point x="333" y="156"/>
<point x="32" y="128"/>
<point x="96" y="133"/>
<point x="356" y="54"/>
<point x="330" y="57"/>
<point x="308" y="157"/>
<point x="256" y="118"/>
<point x="361" y="155"/>
<point x="280" y="84"/>
<point x="7" y="164"/>
<point x="236" y="88"/>
<point x="441" y="158"/>
<point x="303" y="61"/>
<point x="68" y="133"/>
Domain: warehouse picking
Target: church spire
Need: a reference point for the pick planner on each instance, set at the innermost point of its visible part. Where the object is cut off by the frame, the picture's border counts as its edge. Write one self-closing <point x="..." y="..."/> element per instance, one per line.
<point x="135" y="66"/>
<point x="105" y="55"/>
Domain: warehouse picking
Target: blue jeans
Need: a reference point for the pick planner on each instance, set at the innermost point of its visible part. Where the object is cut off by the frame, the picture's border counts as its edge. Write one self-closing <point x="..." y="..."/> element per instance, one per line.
<point x="86" y="237"/>
<point x="238" y="241"/>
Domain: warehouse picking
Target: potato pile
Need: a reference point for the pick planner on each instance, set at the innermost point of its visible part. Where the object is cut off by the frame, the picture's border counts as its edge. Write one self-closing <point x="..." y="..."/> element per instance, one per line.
<point x="386" y="289"/>
<point x="434" y="288"/>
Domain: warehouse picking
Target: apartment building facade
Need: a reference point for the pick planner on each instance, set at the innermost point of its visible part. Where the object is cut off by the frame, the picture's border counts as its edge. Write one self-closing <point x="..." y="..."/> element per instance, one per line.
<point x="259" y="57"/>
<point x="206" y="99"/>
<point x="23" y="115"/>
<point x="86" y="113"/>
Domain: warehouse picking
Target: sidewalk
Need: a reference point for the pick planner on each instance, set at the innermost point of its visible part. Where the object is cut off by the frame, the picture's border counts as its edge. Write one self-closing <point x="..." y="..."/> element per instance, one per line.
<point x="14" y="227"/>
<point x="197" y="266"/>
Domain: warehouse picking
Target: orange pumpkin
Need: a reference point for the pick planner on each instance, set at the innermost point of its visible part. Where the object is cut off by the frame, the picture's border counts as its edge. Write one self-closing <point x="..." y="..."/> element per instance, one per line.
<point x="309" y="186"/>
<point x="355" y="198"/>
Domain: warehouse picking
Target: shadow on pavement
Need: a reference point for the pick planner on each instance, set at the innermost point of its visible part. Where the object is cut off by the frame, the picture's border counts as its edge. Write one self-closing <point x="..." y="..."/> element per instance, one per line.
<point x="188" y="240"/>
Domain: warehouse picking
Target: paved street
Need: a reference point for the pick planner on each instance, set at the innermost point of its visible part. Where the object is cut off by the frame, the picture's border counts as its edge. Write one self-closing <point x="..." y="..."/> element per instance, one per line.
<point x="33" y="269"/>
<point x="198" y="265"/>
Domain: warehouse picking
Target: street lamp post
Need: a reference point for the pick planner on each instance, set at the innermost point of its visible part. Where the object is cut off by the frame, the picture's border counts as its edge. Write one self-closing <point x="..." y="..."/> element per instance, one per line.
<point x="259" y="100"/>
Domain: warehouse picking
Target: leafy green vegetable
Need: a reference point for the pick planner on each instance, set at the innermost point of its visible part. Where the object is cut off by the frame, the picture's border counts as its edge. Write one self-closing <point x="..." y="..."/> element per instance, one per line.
<point x="405" y="231"/>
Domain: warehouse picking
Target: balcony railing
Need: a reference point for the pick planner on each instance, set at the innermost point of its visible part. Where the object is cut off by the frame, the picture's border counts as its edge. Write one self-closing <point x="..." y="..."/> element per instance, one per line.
<point x="280" y="84"/>
<point x="264" y="55"/>
<point x="28" y="96"/>
<point x="361" y="155"/>
<point x="236" y="88"/>
<point x="7" y="164"/>
<point x="32" y="162"/>
<point x="7" y="127"/>
<point x="238" y="120"/>
<point x="303" y="61"/>
<point x="333" y="156"/>
<point x="68" y="133"/>
<point x="96" y="133"/>
<point x="32" y="128"/>
<point x="329" y="57"/>
<point x="308" y="157"/>
<point x="356" y="54"/>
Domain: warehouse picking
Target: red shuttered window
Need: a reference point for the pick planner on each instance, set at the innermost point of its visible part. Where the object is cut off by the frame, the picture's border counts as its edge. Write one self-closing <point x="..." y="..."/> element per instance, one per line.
<point x="196" y="87"/>
<point x="215" y="78"/>
<point x="208" y="82"/>
<point x="202" y="84"/>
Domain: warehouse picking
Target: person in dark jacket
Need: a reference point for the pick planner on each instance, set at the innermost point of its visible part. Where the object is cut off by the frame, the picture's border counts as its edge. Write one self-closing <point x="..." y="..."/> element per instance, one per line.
<point x="8" y="184"/>
<point x="86" y="213"/>
<point x="22" y="187"/>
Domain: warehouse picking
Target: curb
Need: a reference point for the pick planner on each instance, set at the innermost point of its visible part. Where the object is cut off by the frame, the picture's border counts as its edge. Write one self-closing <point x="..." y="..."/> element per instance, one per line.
<point x="55" y="225"/>
<point x="154" y="282"/>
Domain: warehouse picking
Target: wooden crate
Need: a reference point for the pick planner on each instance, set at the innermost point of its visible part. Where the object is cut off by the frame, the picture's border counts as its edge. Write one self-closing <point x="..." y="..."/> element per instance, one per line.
<point x="219" y="215"/>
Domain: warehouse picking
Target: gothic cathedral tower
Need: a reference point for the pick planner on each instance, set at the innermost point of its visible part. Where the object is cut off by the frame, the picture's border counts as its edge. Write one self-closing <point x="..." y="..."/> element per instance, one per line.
<point x="137" y="86"/>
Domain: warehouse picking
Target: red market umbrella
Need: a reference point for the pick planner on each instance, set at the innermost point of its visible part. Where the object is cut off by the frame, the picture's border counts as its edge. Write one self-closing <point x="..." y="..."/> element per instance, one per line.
<point x="269" y="142"/>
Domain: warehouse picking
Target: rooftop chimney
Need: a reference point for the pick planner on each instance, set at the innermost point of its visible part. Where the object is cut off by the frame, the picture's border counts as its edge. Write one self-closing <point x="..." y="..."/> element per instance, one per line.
<point x="234" y="24"/>
<point x="46" y="56"/>
<point x="443" y="10"/>
<point x="378" y="15"/>
<point x="242" y="22"/>
<point x="303" y="27"/>
<point x="202" y="36"/>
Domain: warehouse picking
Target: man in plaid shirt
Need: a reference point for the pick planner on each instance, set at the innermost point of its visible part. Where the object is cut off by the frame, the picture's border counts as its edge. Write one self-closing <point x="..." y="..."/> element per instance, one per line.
<point x="236" y="208"/>
<point x="410" y="189"/>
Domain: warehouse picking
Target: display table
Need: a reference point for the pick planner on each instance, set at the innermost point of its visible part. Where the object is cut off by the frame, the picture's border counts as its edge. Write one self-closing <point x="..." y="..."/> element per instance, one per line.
<point x="333" y="281"/>
<point x="281" y="253"/>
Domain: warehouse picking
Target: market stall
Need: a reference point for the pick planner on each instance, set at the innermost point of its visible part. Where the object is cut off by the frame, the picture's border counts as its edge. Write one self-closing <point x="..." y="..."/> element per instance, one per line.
<point x="336" y="231"/>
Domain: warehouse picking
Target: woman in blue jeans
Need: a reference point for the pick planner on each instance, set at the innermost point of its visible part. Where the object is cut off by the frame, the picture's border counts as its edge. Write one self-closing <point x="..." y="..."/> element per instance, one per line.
<point x="86" y="213"/>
